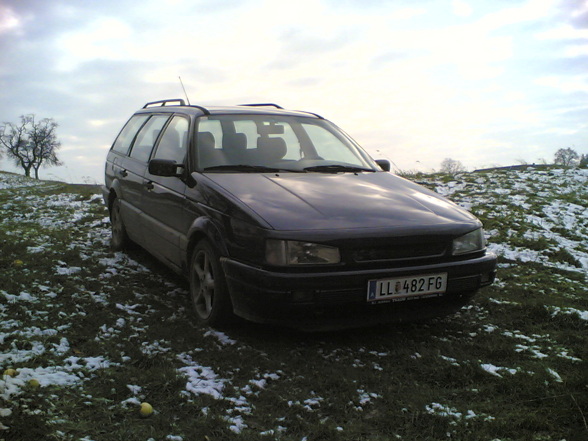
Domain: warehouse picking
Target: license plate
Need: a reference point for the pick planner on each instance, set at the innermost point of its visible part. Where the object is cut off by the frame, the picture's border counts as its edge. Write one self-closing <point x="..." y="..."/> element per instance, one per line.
<point x="404" y="288"/>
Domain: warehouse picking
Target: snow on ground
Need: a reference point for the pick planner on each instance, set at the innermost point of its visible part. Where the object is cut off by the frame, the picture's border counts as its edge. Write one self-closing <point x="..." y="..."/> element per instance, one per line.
<point x="47" y="213"/>
<point x="10" y="181"/>
<point x="536" y="205"/>
<point x="563" y="224"/>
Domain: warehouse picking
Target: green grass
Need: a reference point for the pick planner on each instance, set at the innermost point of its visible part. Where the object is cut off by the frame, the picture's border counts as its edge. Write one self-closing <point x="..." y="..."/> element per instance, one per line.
<point x="105" y="331"/>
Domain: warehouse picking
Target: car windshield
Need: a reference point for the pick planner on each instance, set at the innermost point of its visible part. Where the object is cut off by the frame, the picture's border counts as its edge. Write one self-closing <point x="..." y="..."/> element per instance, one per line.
<point x="270" y="143"/>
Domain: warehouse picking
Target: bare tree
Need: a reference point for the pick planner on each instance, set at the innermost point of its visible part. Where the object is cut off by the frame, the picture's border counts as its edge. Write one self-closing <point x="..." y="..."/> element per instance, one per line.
<point x="31" y="143"/>
<point x="566" y="157"/>
<point x="451" y="166"/>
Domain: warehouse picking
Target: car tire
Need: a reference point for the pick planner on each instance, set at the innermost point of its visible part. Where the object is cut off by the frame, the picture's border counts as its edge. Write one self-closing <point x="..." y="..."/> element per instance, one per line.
<point x="208" y="288"/>
<point x="119" y="239"/>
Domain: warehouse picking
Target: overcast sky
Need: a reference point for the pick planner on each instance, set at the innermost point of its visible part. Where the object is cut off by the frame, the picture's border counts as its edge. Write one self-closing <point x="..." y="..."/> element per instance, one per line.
<point x="483" y="82"/>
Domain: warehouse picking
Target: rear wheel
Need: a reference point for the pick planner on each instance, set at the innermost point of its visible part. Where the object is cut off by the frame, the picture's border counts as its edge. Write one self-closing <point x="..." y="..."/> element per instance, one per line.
<point x="208" y="288"/>
<point x="120" y="239"/>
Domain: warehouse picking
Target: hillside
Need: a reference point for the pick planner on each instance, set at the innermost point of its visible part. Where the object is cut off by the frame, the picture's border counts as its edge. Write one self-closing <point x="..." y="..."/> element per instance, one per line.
<point x="102" y="332"/>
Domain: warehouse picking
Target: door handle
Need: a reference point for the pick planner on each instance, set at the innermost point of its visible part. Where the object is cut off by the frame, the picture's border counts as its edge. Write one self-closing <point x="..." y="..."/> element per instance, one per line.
<point x="123" y="173"/>
<point x="149" y="185"/>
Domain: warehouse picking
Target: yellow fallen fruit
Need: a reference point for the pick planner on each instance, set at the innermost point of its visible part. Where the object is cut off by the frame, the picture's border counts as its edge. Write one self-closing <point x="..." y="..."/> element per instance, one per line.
<point x="10" y="372"/>
<point x="34" y="383"/>
<point x="146" y="409"/>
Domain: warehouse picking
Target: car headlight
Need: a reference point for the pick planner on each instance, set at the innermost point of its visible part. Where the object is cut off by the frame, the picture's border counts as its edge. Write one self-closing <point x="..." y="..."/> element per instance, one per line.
<point x="469" y="243"/>
<point x="290" y="252"/>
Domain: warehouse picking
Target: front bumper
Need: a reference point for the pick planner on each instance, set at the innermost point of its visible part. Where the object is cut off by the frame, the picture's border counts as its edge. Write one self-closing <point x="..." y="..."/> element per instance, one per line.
<point x="332" y="300"/>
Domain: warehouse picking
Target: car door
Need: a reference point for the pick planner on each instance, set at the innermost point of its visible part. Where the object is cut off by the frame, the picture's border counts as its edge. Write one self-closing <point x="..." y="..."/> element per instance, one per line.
<point x="164" y="197"/>
<point x="135" y="167"/>
<point x="126" y="175"/>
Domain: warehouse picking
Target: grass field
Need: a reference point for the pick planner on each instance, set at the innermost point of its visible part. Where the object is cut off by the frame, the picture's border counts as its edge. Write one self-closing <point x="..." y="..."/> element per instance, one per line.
<point x="102" y="332"/>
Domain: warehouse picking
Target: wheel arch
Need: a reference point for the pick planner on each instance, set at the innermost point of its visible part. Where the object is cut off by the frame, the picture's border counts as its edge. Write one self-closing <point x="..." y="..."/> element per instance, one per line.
<point x="204" y="228"/>
<point x="113" y="193"/>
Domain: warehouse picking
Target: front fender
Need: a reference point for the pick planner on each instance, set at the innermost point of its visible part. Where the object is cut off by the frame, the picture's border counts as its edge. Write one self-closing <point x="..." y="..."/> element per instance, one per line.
<point x="204" y="228"/>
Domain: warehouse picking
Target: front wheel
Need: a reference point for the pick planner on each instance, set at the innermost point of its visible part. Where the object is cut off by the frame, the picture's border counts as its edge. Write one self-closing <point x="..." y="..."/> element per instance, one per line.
<point x="208" y="288"/>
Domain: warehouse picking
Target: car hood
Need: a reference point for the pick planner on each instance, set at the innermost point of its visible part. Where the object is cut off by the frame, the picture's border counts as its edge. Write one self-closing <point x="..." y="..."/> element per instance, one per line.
<point x="317" y="201"/>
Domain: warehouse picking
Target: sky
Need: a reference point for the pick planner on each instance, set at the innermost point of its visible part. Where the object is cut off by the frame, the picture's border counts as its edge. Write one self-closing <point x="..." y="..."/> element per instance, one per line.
<point x="486" y="83"/>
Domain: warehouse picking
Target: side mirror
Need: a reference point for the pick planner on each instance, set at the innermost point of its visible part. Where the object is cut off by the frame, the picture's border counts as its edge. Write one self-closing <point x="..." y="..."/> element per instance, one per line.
<point x="384" y="164"/>
<point x="165" y="167"/>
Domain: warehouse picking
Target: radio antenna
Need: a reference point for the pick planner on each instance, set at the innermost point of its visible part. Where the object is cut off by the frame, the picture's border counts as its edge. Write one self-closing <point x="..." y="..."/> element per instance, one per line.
<point x="182" y="83"/>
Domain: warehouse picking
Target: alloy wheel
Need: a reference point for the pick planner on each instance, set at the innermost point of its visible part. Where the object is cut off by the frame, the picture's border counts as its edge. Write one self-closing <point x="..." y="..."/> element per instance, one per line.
<point x="202" y="285"/>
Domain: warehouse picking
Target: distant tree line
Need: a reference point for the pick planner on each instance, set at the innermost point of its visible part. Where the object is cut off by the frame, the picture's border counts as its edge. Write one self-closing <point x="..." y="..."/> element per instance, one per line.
<point x="30" y="143"/>
<point x="567" y="157"/>
<point x="451" y="166"/>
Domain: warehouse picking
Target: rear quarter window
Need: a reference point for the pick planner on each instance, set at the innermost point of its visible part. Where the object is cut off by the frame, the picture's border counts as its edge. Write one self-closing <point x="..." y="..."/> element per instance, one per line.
<point x="146" y="138"/>
<point x="123" y="141"/>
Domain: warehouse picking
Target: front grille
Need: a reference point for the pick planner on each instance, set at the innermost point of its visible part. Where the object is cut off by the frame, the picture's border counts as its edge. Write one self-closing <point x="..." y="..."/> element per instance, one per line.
<point x="404" y="251"/>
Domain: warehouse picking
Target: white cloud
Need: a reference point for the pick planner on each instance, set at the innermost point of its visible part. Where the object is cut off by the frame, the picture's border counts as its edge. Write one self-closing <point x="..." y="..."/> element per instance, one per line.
<point x="98" y="122"/>
<point x="461" y="8"/>
<point x="530" y="11"/>
<point x="9" y="21"/>
<point x="581" y="9"/>
<point x="414" y="82"/>
<point x="576" y="51"/>
<point x="104" y="38"/>
<point x="564" y="32"/>
<point x="406" y="13"/>
<point x="565" y="84"/>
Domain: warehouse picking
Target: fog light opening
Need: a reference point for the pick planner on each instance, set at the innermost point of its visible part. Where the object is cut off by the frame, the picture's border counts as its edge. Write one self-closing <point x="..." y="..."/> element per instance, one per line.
<point x="302" y="296"/>
<point x="487" y="278"/>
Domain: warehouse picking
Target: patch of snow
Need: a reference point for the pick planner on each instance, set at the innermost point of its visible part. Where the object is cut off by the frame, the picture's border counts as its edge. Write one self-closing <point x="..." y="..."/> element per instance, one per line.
<point x="201" y="379"/>
<point x="495" y="370"/>
<point x="67" y="271"/>
<point x="555" y="310"/>
<point x="223" y="338"/>
<point x="453" y="414"/>
<point x="555" y="375"/>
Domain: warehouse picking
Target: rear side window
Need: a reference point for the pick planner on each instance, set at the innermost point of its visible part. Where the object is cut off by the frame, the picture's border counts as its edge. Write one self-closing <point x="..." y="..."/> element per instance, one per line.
<point x="125" y="138"/>
<point x="147" y="137"/>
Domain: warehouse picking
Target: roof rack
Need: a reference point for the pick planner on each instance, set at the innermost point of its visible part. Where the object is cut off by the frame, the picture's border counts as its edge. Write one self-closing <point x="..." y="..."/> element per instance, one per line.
<point x="312" y="113"/>
<point x="164" y="102"/>
<point x="180" y="102"/>
<point x="277" y="107"/>
<point x="262" y="105"/>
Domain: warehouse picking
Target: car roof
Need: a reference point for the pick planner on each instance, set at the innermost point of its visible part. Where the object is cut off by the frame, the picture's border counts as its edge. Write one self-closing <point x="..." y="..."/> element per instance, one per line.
<point x="248" y="109"/>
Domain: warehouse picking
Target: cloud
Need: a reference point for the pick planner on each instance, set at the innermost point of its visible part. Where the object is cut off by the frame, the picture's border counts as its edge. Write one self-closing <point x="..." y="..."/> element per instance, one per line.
<point x="105" y="38"/>
<point x="564" y="32"/>
<point x="567" y="84"/>
<point x="476" y="81"/>
<point x="9" y="21"/>
<point x="573" y="40"/>
<point x="461" y="8"/>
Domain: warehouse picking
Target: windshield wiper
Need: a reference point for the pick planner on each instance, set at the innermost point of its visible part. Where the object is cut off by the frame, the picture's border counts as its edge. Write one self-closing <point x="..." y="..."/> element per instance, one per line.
<point x="335" y="168"/>
<point x="247" y="168"/>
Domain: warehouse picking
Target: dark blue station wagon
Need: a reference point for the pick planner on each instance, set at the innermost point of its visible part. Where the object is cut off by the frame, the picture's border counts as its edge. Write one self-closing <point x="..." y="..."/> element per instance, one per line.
<point x="278" y="216"/>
